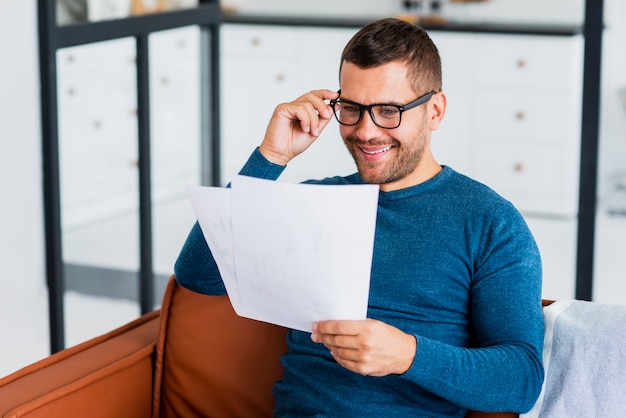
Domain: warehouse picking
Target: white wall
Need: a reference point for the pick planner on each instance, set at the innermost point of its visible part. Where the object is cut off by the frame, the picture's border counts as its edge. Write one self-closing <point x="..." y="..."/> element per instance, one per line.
<point x="21" y="214"/>
<point x="23" y="296"/>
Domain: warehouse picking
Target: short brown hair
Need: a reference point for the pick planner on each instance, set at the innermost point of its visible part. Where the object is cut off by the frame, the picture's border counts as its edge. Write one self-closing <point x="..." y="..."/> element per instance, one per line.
<point x="387" y="40"/>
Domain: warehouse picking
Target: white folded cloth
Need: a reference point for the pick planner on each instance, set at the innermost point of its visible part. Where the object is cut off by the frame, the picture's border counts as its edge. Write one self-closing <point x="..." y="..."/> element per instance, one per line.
<point x="585" y="361"/>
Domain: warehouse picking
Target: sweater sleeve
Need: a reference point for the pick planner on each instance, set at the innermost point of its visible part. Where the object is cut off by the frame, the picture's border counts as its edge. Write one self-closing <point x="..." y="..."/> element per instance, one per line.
<point x="504" y="371"/>
<point x="195" y="267"/>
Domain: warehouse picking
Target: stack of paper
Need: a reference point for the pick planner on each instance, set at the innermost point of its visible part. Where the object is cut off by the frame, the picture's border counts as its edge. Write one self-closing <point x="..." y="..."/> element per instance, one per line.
<point x="291" y="254"/>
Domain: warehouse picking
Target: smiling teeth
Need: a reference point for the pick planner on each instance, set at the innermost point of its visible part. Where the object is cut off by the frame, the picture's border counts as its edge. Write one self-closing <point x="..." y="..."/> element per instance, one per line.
<point x="378" y="151"/>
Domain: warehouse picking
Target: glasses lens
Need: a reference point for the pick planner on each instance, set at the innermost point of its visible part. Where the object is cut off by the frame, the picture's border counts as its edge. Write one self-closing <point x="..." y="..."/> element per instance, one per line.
<point x="347" y="113"/>
<point x="386" y="116"/>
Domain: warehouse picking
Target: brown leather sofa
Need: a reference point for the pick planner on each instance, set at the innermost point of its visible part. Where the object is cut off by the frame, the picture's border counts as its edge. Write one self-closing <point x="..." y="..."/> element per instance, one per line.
<point x="192" y="358"/>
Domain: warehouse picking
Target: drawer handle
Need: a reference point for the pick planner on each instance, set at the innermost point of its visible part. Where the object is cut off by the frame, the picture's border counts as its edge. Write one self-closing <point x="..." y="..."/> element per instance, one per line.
<point x="520" y="116"/>
<point x="518" y="167"/>
<point x="280" y="77"/>
<point x="521" y="64"/>
<point x="255" y="42"/>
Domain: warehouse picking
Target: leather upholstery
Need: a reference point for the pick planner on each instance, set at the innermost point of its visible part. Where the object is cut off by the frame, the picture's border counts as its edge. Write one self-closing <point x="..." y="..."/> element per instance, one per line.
<point x="213" y="362"/>
<point x="108" y="376"/>
<point x="193" y="358"/>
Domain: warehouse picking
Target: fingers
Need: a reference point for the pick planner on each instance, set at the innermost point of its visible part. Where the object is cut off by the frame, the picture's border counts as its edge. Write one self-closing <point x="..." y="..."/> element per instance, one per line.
<point x="367" y="347"/>
<point x="338" y="327"/>
<point x="296" y="125"/>
<point x="348" y="334"/>
<point x="348" y="343"/>
<point x="312" y="111"/>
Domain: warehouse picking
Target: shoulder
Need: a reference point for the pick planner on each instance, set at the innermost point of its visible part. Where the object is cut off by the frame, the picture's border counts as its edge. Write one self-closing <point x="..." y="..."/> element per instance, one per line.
<point x="474" y="196"/>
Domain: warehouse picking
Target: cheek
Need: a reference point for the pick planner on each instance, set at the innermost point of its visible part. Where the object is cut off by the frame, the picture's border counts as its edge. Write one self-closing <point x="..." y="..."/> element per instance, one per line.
<point x="346" y="132"/>
<point x="412" y="124"/>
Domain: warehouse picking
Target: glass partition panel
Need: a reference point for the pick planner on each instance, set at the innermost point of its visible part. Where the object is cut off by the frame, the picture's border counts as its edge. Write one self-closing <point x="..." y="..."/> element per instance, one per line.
<point x="175" y="103"/>
<point x="98" y="160"/>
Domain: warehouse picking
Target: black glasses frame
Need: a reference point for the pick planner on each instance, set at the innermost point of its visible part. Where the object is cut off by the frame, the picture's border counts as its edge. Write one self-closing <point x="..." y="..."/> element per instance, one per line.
<point x="401" y="109"/>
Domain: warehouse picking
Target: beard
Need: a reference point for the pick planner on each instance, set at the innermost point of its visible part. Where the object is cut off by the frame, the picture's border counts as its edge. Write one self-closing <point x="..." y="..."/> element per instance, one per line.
<point x="408" y="155"/>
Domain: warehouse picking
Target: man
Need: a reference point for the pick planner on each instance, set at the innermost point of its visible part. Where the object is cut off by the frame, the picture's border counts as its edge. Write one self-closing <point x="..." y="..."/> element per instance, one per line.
<point x="454" y="316"/>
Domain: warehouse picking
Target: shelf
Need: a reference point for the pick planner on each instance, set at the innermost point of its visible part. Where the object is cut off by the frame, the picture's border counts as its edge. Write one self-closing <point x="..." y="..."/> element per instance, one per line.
<point x="90" y="32"/>
<point x="516" y="29"/>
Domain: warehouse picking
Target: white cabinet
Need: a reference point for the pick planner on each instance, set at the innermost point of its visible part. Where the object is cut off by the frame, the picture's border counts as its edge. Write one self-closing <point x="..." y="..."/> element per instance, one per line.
<point x="525" y="135"/>
<point x="526" y="120"/>
<point x="258" y="68"/>
<point x="175" y="77"/>
<point x="99" y="148"/>
<point x="513" y="123"/>
<point x="513" y="117"/>
<point x="97" y="130"/>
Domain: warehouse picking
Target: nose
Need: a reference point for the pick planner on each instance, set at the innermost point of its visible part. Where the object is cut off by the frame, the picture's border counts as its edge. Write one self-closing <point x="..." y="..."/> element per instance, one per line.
<point x="366" y="129"/>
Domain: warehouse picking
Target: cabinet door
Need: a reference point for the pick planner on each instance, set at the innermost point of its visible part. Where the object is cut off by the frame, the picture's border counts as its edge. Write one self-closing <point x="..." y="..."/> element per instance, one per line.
<point x="525" y="127"/>
<point x="537" y="62"/>
<point x="537" y="178"/>
<point x="97" y="131"/>
<point x="175" y="147"/>
<point x="258" y="68"/>
<point x="175" y="107"/>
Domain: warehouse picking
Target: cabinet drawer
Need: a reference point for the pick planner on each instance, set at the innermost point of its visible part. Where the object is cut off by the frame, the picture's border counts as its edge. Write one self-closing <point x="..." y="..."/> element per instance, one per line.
<point x="539" y="61"/>
<point x="530" y="115"/>
<point x="97" y="58"/>
<point x="259" y="41"/>
<point x="536" y="178"/>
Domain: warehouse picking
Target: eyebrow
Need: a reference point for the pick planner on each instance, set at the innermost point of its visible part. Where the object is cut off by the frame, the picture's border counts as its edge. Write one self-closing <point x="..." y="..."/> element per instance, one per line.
<point x="392" y="102"/>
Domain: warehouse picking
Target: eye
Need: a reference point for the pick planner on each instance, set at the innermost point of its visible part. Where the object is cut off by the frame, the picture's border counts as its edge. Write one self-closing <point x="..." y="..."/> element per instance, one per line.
<point x="389" y="112"/>
<point x="349" y="108"/>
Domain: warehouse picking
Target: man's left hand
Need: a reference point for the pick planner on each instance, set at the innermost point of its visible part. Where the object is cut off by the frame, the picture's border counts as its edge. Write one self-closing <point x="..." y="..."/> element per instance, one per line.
<point x="368" y="347"/>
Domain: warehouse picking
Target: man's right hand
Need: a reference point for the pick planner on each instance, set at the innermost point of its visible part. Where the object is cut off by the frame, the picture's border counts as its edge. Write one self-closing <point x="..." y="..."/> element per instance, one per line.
<point x="296" y="125"/>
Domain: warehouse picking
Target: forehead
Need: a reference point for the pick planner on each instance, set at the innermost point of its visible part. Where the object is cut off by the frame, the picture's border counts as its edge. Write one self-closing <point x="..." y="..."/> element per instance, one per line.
<point x="387" y="83"/>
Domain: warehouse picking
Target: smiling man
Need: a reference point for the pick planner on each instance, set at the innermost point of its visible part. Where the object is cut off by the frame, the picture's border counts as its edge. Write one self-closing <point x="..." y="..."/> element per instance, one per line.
<point x="454" y="317"/>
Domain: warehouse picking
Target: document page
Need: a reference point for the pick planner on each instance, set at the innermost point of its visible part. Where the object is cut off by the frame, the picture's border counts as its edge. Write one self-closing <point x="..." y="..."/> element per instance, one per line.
<point x="291" y="254"/>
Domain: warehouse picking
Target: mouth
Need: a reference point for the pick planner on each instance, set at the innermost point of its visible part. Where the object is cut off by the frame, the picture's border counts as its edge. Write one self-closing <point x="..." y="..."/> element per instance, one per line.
<point x="375" y="151"/>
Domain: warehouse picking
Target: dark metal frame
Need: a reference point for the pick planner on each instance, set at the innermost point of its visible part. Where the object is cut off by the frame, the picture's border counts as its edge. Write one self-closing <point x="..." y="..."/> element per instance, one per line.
<point x="52" y="38"/>
<point x="590" y="132"/>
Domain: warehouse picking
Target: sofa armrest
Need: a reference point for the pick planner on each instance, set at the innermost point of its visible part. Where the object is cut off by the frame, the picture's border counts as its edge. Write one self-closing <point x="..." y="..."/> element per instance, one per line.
<point x="108" y="376"/>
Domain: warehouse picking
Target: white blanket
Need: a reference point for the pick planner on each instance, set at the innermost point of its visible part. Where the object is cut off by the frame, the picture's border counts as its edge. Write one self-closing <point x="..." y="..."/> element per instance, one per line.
<point x="585" y="361"/>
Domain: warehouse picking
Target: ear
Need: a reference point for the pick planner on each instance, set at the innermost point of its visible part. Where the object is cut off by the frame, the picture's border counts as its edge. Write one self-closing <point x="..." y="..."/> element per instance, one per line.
<point x="436" y="110"/>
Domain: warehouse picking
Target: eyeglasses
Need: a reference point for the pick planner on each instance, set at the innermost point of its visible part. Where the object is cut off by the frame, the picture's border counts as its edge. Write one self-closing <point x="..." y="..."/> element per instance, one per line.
<point x="386" y="116"/>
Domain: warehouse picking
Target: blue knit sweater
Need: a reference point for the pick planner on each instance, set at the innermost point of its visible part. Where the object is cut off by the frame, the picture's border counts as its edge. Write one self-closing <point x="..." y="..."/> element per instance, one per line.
<point x="455" y="265"/>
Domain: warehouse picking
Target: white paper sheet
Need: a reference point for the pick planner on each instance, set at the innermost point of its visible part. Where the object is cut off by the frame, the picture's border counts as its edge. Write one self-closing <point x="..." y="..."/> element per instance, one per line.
<point x="291" y="254"/>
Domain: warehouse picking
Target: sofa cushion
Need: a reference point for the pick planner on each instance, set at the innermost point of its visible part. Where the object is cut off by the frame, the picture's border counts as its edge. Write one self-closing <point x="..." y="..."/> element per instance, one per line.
<point x="108" y="376"/>
<point x="211" y="362"/>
